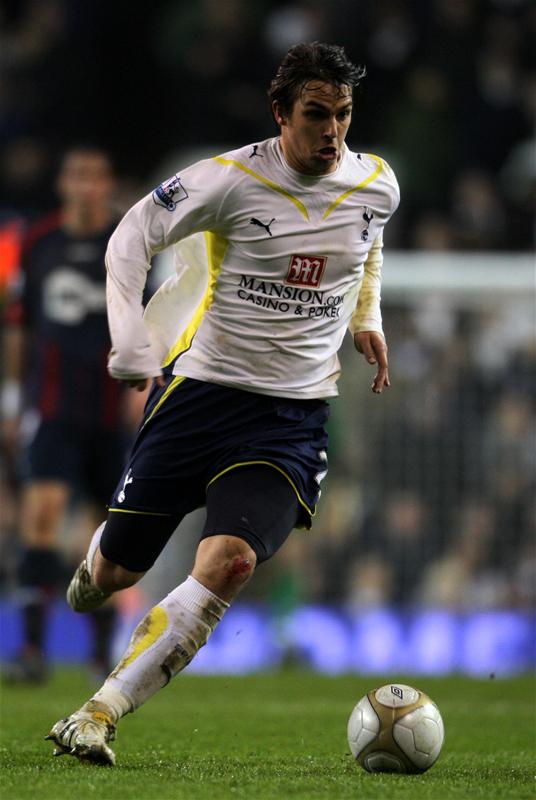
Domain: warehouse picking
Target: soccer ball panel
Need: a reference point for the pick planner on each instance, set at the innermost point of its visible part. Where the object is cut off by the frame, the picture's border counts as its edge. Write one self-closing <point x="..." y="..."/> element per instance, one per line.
<point x="395" y="729"/>
<point x="383" y="762"/>
<point x="363" y="726"/>
<point x="420" y="735"/>
<point x="396" y="695"/>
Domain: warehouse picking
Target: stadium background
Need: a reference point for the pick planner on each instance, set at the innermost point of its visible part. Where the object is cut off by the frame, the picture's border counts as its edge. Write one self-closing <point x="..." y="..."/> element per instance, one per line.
<point x="422" y="555"/>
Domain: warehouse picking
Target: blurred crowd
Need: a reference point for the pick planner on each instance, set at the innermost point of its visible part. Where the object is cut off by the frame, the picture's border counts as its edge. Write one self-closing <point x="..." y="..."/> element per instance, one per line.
<point x="431" y="495"/>
<point x="442" y="510"/>
<point x="449" y="99"/>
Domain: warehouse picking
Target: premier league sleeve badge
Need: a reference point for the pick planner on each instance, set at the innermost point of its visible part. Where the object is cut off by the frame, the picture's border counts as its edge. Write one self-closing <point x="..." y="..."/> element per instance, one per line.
<point x="169" y="193"/>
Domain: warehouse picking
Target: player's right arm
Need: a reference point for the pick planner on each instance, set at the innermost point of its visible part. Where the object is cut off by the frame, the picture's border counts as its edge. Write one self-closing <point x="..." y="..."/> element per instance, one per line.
<point x="181" y="206"/>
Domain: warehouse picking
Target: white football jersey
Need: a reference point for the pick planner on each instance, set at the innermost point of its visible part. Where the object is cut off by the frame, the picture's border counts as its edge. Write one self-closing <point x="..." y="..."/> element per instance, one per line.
<point x="281" y="266"/>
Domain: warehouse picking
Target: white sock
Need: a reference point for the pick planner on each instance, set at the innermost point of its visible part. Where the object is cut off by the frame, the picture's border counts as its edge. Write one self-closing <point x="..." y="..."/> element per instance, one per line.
<point x="164" y="642"/>
<point x="92" y="549"/>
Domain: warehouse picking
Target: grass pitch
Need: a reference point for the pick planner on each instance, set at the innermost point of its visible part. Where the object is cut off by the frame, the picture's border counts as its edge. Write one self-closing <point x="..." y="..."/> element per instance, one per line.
<point x="269" y="737"/>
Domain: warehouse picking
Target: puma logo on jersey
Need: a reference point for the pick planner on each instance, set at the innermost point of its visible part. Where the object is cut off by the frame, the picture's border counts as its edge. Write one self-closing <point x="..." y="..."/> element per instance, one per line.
<point x="254" y="153"/>
<point x="254" y="221"/>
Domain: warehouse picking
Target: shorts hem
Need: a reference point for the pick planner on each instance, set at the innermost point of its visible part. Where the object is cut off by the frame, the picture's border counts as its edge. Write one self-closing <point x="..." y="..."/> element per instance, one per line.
<point x="256" y="544"/>
<point x="311" y="512"/>
<point x="137" y="511"/>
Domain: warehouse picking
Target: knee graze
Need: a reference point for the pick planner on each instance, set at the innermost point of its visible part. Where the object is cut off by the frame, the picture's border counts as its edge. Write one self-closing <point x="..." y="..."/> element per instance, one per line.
<point x="240" y="566"/>
<point x="225" y="560"/>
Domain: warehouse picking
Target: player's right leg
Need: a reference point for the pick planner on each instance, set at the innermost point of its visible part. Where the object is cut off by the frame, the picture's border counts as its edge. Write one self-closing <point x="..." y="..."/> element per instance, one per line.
<point x="249" y="515"/>
<point x="251" y="511"/>
<point x="163" y="644"/>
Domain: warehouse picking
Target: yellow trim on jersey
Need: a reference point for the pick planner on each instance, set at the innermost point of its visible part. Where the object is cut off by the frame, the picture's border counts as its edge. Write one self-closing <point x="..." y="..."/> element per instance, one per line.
<point x="268" y="464"/>
<point x="144" y="513"/>
<point x="216" y="246"/>
<point x="154" y="625"/>
<point x="371" y="177"/>
<point x="173" y="385"/>
<point x="230" y="162"/>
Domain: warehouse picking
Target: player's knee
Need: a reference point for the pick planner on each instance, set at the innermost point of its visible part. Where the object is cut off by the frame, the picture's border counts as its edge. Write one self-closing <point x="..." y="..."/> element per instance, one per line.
<point x="240" y="567"/>
<point x="224" y="564"/>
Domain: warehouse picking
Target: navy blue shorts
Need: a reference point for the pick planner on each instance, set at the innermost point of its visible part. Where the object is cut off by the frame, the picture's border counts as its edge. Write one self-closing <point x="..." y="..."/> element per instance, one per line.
<point x="194" y="432"/>
<point x="85" y="458"/>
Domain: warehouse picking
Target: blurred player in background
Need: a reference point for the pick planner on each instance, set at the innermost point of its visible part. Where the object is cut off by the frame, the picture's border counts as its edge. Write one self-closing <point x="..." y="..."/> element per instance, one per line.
<point x="290" y="232"/>
<point x="60" y="406"/>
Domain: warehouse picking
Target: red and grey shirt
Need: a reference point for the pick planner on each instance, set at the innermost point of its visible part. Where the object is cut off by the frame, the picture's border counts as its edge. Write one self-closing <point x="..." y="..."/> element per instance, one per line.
<point x="61" y="303"/>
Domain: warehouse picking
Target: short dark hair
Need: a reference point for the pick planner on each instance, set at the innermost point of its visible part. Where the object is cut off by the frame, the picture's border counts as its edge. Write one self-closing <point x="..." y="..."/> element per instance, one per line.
<point x="308" y="62"/>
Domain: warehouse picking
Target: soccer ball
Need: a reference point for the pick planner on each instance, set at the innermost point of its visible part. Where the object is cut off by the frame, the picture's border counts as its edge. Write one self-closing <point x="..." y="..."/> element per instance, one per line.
<point x="395" y="729"/>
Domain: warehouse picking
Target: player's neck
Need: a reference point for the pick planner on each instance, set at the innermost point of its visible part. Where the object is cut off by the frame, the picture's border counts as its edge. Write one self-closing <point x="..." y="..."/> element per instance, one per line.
<point x="85" y="221"/>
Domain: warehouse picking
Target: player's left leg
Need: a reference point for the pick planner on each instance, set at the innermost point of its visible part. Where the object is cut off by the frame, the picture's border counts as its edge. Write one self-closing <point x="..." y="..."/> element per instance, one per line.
<point x="103" y="624"/>
<point x="121" y="551"/>
<point x="105" y="452"/>
<point x="250" y="513"/>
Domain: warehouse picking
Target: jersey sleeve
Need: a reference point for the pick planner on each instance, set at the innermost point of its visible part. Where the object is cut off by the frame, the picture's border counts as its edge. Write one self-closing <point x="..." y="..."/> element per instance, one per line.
<point x="391" y="188"/>
<point x="184" y="204"/>
<point x="368" y="315"/>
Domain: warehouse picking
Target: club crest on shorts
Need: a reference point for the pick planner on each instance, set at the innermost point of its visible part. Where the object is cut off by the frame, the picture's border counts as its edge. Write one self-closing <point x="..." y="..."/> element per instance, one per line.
<point x="306" y="270"/>
<point x="169" y="193"/>
<point x="128" y="480"/>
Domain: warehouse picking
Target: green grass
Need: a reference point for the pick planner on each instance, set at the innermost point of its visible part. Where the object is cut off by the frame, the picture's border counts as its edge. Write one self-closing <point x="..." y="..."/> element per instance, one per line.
<point x="268" y="737"/>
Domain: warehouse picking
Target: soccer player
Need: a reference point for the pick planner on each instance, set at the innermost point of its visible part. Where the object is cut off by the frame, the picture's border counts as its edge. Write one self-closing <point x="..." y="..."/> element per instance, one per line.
<point x="279" y="252"/>
<point x="57" y="344"/>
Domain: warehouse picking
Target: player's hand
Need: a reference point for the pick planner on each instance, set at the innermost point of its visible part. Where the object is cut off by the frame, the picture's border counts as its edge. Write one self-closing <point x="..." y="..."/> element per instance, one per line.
<point x="142" y="384"/>
<point x="374" y="348"/>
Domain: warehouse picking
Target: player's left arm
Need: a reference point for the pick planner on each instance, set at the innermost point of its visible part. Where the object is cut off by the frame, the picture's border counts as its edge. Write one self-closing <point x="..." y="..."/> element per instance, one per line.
<point x="366" y="323"/>
<point x="374" y="347"/>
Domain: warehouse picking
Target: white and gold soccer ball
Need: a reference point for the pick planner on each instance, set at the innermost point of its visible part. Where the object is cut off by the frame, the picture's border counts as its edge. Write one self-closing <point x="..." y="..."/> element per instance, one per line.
<point x="396" y="729"/>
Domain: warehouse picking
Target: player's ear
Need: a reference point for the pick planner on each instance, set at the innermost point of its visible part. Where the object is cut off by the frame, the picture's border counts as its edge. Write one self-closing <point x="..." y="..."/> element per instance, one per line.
<point x="278" y="116"/>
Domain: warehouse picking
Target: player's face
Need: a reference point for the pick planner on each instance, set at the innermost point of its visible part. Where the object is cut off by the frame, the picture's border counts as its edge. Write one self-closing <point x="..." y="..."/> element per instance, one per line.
<point x="86" y="180"/>
<point x="313" y="135"/>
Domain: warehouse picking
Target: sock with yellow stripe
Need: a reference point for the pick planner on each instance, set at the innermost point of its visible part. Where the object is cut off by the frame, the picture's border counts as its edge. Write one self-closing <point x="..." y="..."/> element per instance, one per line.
<point x="164" y="642"/>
